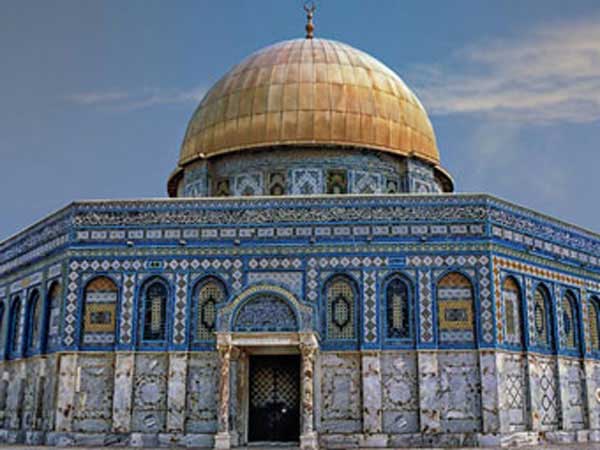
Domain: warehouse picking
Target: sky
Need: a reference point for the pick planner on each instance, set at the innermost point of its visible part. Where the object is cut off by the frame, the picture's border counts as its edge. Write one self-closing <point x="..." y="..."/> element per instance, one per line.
<point x="95" y="95"/>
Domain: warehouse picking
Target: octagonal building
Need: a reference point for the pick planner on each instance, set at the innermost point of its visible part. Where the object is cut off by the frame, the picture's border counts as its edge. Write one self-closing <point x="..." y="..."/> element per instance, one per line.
<point x="313" y="278"/>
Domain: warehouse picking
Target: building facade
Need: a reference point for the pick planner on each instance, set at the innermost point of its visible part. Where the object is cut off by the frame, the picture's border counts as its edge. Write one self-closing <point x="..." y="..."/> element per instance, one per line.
<point x="314" y="279"/>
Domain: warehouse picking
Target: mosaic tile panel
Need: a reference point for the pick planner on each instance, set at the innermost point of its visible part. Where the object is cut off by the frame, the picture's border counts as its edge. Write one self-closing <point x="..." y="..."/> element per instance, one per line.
<point x="370" y="305"/>
<point x="126" y="322"/>
<point x="425" y="307"/>
<point x="69" y="327"/>
<point x="307" y="181"/>
<point x="180" y="313"/>
<point x="293" y="281"/>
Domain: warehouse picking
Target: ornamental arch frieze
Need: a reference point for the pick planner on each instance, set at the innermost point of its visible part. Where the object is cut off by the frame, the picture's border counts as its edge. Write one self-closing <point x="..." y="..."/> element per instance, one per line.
<point x="248" y="311"/>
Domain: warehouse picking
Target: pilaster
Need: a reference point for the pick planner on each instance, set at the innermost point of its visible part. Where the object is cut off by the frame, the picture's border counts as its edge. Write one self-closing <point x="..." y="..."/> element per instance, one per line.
<point x="489" y="362"/>
<point x="428" y="392"/>
<point x="123" y="392"/>
<point x="176" y="391"/>
<point x="67" y="387"/>
<point x="308" y="436"/>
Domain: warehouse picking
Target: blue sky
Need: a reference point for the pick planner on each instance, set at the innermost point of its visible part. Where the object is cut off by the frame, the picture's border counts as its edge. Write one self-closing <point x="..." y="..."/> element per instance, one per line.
<point x="95" y="95"/>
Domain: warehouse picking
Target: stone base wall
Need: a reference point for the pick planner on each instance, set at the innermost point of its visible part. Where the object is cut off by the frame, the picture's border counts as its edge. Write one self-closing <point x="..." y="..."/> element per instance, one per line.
<point x="388" y="399"/>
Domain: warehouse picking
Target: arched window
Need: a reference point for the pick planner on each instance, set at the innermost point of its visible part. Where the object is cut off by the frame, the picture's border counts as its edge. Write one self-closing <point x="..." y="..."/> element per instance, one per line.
<point x="341" y="305"/>
<point x="34" y="317"/>
<point x="398" y="312"/>
<point x="54" y="305"/>
<point x="14" y="335"/>
<point x="511" y="296"/>
<point x="209" y="292"/>
<point x="455" y="310"/>
<point x="154" y="312"/>
<point x="99" y="310"/>
<point x="570" y="322"/>
<point x="542" y="318"/>
<point x="594" y="313"/>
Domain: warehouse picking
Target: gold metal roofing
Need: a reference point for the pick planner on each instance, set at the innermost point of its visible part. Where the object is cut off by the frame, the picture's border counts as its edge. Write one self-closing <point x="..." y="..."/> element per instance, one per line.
<point x="309" y="91"/>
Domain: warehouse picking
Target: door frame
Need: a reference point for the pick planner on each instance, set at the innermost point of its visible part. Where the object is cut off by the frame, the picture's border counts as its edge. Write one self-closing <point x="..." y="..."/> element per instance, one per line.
<point x="262" y="343"/>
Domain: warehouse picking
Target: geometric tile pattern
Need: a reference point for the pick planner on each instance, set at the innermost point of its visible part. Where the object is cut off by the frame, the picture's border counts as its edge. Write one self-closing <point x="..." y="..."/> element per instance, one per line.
<point x="307" y="181"/>
<point x="480" y="263"/>
<point x="126" y="322"/>
<point x="293" y="281"/>
<point x="425" y="306"/>
<point x="71" y="307"/>
<point x="179" y="323"/>
<point x="370" y="305"/>
<point x="549" y="402"/>
<point x="314" y="265"/>
<point x="366" y="182"/>
<point x="530" y="309"/>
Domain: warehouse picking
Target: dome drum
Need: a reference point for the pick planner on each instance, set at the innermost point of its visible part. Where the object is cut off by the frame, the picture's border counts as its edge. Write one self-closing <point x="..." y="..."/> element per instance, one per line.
<point x="307" y="170"/>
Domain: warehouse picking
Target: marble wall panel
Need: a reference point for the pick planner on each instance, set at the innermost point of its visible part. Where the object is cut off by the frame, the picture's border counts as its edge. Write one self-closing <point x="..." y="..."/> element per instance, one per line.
<point x="459" y="392"/>
<point x="592" y="374"/>
<point x="94" y="393"/>
<point x="149" y="409"/>
<point x="340" y="393"/>
<point x="545" y="395"/>
<point x="202" y="388"/>
<point x="513" y="392"/>
<point x="15" y="375"/>
<point x="400" y="392"/>
<point x="572" y="389"/>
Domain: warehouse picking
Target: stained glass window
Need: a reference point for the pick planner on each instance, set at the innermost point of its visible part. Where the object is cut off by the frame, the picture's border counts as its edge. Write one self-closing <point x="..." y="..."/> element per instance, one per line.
<point x="541" y="314"/>
<point x="155" y="305"/>
<point x="54" y="301"/>
<point x="511" y="295"/>
<point x="15" y="325"/>
<point x="337" y="182"/>
<point x="340" y="309"/>
<point x="210" y="293"/>
<point x="34" y="317"/>
<point x="595" y="323"/>
<point x="398" y="312"/>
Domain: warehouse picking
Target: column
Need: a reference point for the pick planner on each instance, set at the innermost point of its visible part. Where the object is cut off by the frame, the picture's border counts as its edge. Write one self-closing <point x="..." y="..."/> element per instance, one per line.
<point x="176" y="392"/>
<point x="223" y="437"/>
<point x="123" y="392"/>
<point x="308" y="437"/>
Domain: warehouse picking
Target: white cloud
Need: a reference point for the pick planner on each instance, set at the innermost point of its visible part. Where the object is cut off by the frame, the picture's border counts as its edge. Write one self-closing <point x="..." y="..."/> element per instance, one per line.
<point x="144" y="98"/>
<point x="549" y="75"/>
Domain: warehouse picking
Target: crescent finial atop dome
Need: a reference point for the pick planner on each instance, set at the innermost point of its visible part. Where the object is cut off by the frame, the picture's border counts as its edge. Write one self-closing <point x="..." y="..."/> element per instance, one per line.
<point x="310" y="9"/>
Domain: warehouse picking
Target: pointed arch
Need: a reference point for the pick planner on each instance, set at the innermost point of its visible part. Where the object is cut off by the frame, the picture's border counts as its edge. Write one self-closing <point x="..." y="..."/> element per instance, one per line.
<point x="152" y="319"/>
<point x="455" y="306"/>
<point x="570" y="322"/>
<point x="54" y="305"/>
<point x="341" y="317"/>
<point x="13" y="342"/>
<point x="99" y="311"/>
<point x="33" y="322"/>
<point x="594" y="321"/>
<point x="207" y="294"/>
<point x="399" y="321"/>
<point x="542" y="316"/>
<point x="513" y="317"/>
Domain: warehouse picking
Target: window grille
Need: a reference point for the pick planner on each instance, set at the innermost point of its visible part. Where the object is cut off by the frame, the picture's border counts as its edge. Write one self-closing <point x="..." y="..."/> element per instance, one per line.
<point x="398" y="317"/>
<point x="209" y="295"/>
<point x="340" y="309"/>
<point x="155" y="312"/>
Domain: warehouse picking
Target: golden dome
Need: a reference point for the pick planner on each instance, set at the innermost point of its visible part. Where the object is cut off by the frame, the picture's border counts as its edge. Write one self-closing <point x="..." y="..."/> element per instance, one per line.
<point x="309" y="91"/>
